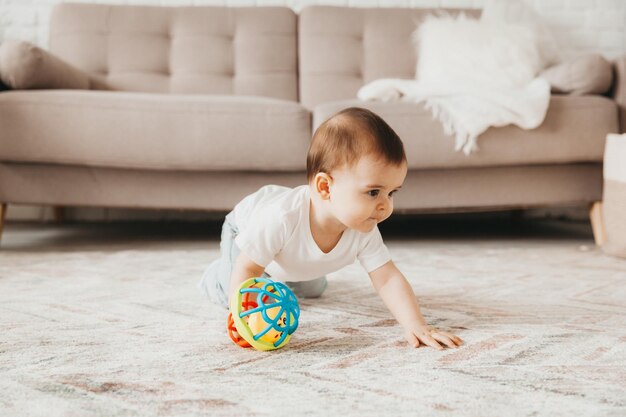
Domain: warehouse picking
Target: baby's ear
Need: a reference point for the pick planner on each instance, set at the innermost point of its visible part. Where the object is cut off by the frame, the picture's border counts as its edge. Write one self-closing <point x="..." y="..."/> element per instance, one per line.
<point x="322" y="185"/>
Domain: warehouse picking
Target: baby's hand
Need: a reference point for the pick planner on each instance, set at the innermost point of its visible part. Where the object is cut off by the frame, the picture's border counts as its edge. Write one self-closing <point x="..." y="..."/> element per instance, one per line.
<point x="431" y="336"/>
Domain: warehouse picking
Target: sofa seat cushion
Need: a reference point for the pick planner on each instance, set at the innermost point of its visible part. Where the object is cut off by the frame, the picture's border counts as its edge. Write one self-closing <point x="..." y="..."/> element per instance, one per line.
<point x="574" y="130"/>
<point x="153" y="131"/>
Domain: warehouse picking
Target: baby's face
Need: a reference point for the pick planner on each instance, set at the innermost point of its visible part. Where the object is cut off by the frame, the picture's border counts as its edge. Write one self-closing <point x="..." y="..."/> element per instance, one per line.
<point x="361" y="196"/>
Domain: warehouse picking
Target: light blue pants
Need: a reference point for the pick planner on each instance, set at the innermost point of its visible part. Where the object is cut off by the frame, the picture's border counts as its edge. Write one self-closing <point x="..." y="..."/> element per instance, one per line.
<point x="216" y="279"/>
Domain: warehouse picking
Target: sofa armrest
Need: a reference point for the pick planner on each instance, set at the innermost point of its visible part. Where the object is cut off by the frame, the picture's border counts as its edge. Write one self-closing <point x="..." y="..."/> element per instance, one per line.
<point x="619" y="90"/>
<point x="26" y="66"/>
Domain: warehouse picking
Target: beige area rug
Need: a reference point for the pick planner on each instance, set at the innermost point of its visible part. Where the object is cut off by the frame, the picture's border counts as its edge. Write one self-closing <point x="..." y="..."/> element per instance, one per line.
<point x="100" y="323"/>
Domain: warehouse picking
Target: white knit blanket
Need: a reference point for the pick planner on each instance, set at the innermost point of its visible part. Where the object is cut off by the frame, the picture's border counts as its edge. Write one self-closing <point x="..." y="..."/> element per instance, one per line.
<point x="473" y="74"/>
<point x="467" y="110"/>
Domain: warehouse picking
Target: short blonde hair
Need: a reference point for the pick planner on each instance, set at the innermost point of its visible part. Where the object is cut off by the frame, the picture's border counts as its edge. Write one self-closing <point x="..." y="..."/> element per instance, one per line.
<point x="348" y="136"/>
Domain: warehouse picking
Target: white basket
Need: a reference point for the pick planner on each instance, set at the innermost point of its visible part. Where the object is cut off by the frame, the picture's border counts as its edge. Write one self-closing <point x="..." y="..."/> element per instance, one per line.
<point x="614" y="196"/>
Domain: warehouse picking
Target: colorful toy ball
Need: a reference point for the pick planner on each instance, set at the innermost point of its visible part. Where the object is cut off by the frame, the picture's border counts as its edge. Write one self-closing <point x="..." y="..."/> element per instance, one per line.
<point x="263" y="314"/>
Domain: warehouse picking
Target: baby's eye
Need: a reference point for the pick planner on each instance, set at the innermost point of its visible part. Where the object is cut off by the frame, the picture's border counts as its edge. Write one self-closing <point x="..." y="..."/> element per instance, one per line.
<point x="392" y="193"/>
<point x="373" y="193"/>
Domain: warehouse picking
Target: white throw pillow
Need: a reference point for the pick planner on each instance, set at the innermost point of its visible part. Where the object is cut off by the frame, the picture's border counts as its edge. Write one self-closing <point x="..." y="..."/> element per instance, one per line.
<point x="463" y="50"/>
<point x="517" y="12"/>
<point x="586" y="74"/>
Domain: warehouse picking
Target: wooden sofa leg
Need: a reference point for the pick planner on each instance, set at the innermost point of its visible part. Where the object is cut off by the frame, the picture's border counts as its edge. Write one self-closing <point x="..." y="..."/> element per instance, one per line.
<point x="59" y="214"/>
<point x="597" y="223"/>
<point x="3" y="216"/>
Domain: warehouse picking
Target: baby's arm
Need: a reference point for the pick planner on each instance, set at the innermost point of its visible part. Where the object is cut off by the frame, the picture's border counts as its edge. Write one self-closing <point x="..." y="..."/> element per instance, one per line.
<point x="399" y="297"/>
<point x="243" y="269"/>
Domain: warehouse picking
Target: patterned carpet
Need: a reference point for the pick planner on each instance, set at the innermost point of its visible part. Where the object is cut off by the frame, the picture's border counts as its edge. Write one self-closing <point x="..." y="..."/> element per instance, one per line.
<point x="107" y="321"/>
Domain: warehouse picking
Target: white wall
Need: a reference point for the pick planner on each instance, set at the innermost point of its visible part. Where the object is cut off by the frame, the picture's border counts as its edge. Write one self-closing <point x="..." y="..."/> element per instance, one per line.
<point x="579" y="26"/>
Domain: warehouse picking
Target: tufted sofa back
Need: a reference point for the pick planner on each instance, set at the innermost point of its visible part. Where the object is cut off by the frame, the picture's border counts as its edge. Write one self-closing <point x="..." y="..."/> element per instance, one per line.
<point x="184" y="50"/>
<point x="343" y="48"/>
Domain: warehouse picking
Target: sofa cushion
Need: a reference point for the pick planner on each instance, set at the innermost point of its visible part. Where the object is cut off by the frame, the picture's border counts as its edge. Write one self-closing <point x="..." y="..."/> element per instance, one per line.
<point x="573" y="131"/>
<point x="153" y="131"/>
<point x="187" y="50"/>
<point x="343" y="48"/>
<point x="24" y="65"/>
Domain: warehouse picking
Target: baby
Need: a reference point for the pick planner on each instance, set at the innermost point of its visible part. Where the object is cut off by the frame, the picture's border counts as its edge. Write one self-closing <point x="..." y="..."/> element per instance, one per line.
<point x="355" y="164"/>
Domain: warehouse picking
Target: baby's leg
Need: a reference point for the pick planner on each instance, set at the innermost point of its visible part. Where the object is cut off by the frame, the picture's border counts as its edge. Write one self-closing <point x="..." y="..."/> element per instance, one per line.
<point x="308" y="289"/>
<point x="216" y="279"/>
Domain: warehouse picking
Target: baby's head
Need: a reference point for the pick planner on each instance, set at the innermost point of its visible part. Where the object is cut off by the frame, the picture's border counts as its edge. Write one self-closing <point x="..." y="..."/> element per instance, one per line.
<point x="354" y="165"/>
<point x="350" y="135"/>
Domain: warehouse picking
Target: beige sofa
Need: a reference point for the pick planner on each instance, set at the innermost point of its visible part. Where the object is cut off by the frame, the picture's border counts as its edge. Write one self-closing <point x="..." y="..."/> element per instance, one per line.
<point x="194" y="107"/>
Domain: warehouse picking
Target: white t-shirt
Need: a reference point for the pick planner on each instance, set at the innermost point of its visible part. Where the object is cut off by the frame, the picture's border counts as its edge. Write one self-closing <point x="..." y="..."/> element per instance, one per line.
<point x="274" y="231"/>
